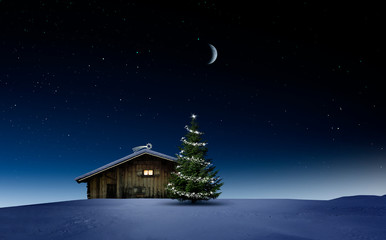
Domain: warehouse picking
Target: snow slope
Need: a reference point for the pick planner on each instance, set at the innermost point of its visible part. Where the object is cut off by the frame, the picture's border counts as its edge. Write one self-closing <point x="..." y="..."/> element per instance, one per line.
<point x="362" y="217"/>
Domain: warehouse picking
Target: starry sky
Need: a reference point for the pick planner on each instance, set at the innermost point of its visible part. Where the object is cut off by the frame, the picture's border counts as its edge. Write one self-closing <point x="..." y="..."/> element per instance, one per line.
<point x="293" y="107"/>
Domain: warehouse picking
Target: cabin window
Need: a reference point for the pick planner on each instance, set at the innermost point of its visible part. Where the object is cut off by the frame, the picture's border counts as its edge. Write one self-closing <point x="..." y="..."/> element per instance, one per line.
<point x="148" y="172"/>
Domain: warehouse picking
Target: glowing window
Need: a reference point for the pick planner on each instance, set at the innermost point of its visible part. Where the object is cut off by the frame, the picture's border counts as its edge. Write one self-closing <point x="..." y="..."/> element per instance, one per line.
<point x="147" y="172"/>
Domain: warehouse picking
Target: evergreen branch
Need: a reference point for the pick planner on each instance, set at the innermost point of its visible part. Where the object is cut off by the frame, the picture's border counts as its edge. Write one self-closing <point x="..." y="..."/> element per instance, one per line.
<point x="196" y="160"/>
<point x="188" y="194"/>
<point x="195" y="179"/>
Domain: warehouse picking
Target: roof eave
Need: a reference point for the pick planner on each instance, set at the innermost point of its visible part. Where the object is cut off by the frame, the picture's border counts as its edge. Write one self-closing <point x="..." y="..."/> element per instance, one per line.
<point x="82" y="178"/>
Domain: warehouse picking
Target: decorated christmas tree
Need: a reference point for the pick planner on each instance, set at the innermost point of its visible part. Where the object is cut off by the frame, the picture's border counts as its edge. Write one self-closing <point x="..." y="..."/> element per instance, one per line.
<point x="195" y="176"/>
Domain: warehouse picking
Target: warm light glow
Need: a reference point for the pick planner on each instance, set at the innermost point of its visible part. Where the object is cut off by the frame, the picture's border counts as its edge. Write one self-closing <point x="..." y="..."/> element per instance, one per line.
<point x="147" y="172"/>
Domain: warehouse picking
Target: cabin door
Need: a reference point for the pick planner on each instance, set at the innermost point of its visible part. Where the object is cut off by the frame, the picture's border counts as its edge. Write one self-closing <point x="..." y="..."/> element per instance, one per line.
<point x="111" y="191"/>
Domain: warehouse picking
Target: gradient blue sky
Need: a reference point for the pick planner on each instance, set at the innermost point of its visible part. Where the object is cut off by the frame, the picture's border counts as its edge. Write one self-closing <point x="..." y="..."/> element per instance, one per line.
<point x="292" y="108"/>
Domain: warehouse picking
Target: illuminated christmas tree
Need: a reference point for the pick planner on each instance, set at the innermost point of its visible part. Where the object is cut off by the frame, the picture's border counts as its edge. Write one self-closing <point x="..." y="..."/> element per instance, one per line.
<point x="195" y="176"/>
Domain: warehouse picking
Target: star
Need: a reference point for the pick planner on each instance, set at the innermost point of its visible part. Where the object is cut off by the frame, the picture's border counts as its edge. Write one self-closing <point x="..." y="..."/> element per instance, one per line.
<point x="194" y="116"/>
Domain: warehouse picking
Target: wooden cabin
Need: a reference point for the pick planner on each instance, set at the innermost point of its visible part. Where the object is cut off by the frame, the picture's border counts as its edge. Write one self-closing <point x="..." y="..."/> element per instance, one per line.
<point x="142" y="174"/>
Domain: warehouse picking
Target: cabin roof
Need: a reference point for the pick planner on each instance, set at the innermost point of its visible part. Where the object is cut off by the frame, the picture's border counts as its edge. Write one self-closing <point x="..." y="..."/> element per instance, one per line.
<point x="127" y="158"/>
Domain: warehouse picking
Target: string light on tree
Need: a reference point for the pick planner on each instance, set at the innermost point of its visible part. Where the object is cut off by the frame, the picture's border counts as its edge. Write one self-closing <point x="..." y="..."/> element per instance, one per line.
<point x="183" y="139"/>
<point x="190" y="130"/>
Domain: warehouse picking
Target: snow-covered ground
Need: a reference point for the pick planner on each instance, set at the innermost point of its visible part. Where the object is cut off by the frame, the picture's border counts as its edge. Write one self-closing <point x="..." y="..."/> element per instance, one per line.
<point x="362" y="217"/>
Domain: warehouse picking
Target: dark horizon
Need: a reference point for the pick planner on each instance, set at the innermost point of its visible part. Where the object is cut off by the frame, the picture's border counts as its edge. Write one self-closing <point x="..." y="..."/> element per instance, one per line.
<point x="293" y="107"/>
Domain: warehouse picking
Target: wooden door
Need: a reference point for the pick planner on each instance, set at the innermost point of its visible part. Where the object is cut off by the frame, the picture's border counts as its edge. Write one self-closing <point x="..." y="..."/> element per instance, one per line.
<point x="111" y="191"/>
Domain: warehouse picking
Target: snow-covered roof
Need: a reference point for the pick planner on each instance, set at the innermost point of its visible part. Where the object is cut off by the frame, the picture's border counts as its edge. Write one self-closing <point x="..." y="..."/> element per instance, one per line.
<point x="124" y="159"/>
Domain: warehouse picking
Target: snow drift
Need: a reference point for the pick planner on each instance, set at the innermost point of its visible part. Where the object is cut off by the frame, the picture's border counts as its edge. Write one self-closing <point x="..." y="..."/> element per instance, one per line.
<point x="362" y="217"/>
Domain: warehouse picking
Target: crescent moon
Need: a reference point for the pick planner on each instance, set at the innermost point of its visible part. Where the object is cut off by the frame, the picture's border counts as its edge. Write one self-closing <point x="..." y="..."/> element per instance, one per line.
<point x="214" y="54"/>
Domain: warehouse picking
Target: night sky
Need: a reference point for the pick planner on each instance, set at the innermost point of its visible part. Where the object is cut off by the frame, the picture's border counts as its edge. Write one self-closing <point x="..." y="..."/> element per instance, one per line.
<point x="293" y="107"/>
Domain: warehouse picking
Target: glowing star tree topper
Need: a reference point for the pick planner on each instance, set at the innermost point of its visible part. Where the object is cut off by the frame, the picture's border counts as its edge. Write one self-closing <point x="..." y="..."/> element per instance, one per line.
<point x="195" y="177"/>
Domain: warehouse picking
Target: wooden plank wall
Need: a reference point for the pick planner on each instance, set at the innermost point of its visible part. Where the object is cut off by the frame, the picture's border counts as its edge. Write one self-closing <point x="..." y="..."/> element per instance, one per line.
<point x="127" y="179"/>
